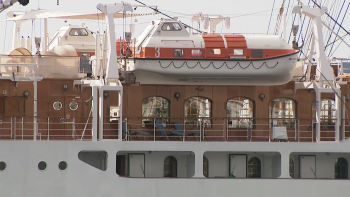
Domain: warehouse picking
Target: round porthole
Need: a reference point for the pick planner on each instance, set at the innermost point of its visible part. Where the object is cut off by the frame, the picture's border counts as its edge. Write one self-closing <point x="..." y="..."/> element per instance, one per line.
<point x="42" y="165"/>
<point x="73" y="105"/>
<point x="2" y="166"/>
<point x="62" y="165"/>
<point x="57" y="105"/>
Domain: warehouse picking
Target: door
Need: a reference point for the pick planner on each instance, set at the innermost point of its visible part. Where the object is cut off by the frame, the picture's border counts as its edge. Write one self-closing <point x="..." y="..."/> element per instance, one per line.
<point x="307" y="167"/>
<point x="238" y="166"/>
<point x="136" y="165"/>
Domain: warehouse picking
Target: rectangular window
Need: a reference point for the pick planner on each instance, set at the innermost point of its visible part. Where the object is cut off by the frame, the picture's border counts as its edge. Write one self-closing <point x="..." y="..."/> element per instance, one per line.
<point x="196" y="52"/>
<point x="215" y="51"/>
<point x="237" y="51"/>
<point x="78" y="32"/>
<point x="257" y="53"/>
<point x="178" y="53"/>
<point x="171" y="27"/>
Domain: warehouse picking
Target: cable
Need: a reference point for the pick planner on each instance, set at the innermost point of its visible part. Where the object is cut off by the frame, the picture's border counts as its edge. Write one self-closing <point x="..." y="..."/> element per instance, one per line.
<point x="339" y="29"/>
<point x="273" y="6"/>
<point x="334" y="24"/>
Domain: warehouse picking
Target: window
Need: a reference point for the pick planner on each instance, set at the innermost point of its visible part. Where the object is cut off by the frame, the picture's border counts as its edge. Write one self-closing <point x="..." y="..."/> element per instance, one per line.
<point x="291" y="168"/>
<point x="254" y="168"/>
<point x="283" y="112"/>
<point x="2" y="166"/>
<point x="42" y="165"/>
<point x="62" y="165"/>
<point x="178" y="53"/>
<point x="78" y="32"/>
<point x="215" y="51"/>
<point x="73" y="105"/>
<point x="96" y="159"/>
<point x="197" y="110"/>
<point x="237" y="51"/>
<point x="57" y="105"/>
<point x="205" y="166"/>
<point x="196" y="52"/>
<point x="241" y="111"/>
<point x="170" y="167"/>
<point x="155" y="107"/>
<point x="171" y="27"/>
<point x="257" y="53"/>
<point x="328" y="115"/>
<point x="341" y="168"/>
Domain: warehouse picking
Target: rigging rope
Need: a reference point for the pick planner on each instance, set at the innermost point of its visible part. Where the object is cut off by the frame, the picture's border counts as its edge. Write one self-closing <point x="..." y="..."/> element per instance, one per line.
<point x="334" y="24"/>
<point x="330" y="51"/>
<point x="273" y="6"/>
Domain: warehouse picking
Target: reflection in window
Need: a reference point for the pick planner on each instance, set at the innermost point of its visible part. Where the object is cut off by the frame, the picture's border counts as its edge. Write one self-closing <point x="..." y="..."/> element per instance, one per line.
<point x="241" y="111"/>
<point x="196" y="52"/>
<point x="198" y="109"/>
<point x="327" y="116"/>
<point x="171" y="27"/>
<point x="205" y="166"/>
<point x="283" y="112"/>
<point x="178" y="53"/>
<point x="341" y="168"/>
<point x="78" y="32"/>
<point x="155" y="107"/>
<point x="254" y="168"/>
<point x="237" y="51"/>
<point x="291" y="168"/>
<point x="215" y="51"/>
<point x="170" y="167"/>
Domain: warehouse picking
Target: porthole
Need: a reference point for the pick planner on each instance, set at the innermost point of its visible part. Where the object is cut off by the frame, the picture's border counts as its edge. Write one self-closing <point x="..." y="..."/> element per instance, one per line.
<point x="2" y="166"/>
<point x="73" y="105"/>
<point x="57" y="105"/>
<point x="62" y="165"/>
<point x="42" y="165"/>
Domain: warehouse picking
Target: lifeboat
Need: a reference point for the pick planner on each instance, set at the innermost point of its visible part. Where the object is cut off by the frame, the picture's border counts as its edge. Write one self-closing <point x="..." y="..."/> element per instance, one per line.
<point x="166" y="53"/>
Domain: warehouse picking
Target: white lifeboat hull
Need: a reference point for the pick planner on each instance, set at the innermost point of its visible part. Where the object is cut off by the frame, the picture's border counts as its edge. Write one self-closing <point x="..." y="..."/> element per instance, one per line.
<point x="272" y="71"/>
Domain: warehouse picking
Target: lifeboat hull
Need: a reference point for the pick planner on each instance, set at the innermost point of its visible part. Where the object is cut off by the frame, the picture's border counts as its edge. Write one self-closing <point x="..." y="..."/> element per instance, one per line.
<point x="272" y="71"/>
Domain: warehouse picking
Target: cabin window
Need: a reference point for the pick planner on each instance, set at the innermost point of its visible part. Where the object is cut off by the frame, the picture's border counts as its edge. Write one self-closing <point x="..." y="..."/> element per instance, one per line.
<point x="283" y="112"/>
<point x="198" y="111"/>
<point x="178" y="53"/>
<point x="2" y="166"/>
<point x="328" y="113"/>
<point x="78" y="32"/>
<point x="254" y="168"/>
<point x="241" y="111"/>
<point x="205" y="166"/>
<point x="170" y="167"/>
<point x="341" y="168"/>
<point x="196" y="52"/>
<point x="155" y="109"/>
<point x="291" y="168"/>
<point x="215" y="51"/>
<point x="257" y="54"/>
<point x="237" y="51"/>
<point x="171" y="27"/>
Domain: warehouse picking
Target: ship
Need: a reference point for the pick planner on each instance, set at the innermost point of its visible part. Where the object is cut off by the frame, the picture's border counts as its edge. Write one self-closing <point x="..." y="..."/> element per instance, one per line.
<point x="177" y="111"/>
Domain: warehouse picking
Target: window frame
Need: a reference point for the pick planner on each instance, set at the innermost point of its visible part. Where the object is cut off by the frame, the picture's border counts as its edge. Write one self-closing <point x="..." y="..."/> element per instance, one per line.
<point x="170" y="157"/>
<point x="256" y="167"/>
<point x="331" y="115"/>
<point x="79" y="28"/>
<point x="195" y="121"/>
<point x="163" y="119"/>
<point x="200" y="55"/>
<point x="163" y="29"/>
<point x="287" y="121"/>
<point x="182" y="52"/>
<point x="251" y="112"/>
<point x="346" y="167"/>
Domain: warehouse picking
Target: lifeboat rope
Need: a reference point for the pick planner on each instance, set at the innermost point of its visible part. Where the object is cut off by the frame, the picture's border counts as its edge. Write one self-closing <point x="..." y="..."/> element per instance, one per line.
<point x="211" y="63"/>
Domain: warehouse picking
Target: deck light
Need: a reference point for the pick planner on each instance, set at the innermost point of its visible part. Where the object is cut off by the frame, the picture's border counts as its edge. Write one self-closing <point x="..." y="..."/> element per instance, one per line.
<point x="26" y="94"/>
<point x="177" y="95"/>
<point x="262" y="97"/>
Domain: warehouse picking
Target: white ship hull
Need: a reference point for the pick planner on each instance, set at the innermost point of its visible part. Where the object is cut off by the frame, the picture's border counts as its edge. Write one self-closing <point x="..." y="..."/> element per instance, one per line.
<point x="273" y="71"/>
<point x="22" y="177"/>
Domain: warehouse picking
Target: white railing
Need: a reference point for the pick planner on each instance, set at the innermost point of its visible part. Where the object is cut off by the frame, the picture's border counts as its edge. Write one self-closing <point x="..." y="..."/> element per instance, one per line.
<point x="164" y="129"/>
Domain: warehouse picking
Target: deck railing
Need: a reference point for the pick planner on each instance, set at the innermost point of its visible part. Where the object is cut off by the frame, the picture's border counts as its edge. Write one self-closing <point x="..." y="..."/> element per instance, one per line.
<point x="172" y="129"/>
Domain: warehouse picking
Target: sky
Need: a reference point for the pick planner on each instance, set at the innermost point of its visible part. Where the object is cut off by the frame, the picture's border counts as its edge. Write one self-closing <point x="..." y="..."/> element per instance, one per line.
<point x="247" y="16"/>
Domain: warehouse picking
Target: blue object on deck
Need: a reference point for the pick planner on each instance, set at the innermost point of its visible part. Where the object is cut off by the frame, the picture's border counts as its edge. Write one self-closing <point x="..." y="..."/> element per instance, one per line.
<point x="179" y="128"/>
